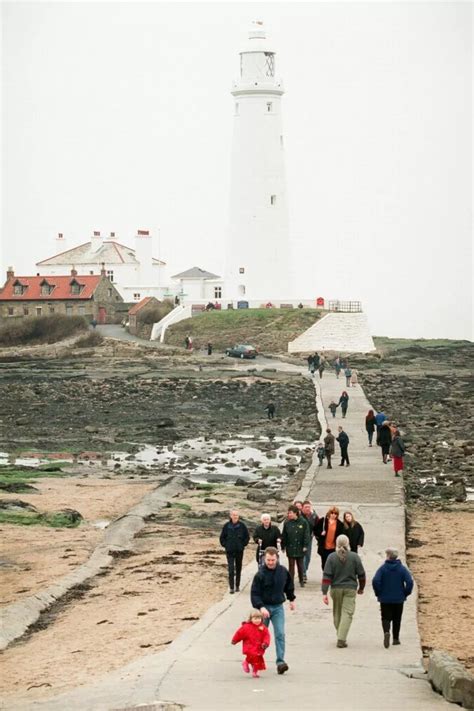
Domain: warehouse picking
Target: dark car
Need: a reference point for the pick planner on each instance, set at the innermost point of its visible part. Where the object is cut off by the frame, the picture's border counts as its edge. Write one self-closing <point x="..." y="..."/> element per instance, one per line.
<point x="242" y="352"/>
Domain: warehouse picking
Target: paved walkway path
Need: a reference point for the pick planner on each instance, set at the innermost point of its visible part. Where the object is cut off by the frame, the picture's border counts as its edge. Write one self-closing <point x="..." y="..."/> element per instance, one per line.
<point x="201" y="670"/>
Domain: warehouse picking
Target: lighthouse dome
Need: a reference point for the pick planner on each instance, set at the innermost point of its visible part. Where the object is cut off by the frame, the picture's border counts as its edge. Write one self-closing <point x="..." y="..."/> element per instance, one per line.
<point x="257" y="39"/>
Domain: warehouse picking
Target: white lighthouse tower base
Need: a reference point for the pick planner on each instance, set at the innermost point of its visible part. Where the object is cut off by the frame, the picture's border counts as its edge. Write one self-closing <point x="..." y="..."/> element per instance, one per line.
<point x="339" y="332"/>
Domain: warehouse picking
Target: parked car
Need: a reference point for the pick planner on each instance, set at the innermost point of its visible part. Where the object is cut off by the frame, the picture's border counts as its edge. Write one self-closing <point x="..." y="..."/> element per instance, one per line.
<point x="242" y="352"/>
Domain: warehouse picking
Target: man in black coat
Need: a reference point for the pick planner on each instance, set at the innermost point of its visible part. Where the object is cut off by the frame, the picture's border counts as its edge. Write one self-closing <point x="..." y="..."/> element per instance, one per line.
<point x="234" y="537"/>
<point x="266" y="534"/>
<point x="271" y="586"/>
<point x="343" y="440"/>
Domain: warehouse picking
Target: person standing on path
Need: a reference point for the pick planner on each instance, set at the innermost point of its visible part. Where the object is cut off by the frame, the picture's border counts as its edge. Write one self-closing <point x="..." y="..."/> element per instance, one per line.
<point x="354" y="378"/>
<point x="234" y="537"/>
<point x="380" y="418"/>
<point x="385" y="440"/>
<point x="353" y="530"/>
<point x="326" y="530"/>
<point x="333" y="408"/>
<point x="337" y="366"/>
<point x="266" y="535"/>
<point x="343" y="439"/>
<point x="255" y="639"/>
<point x="270" y="410"/>
<point x="345" y="575"/>
<point x="295" y="541"/>
<point x="348" y="374"/>
<point x="392" y="583"/>
<point x="311" y="517"/>
<point x="370" y="425"/>
<point x="271" y="586"/>
<point x="209" y="349"/>
<point x="329" y="446"/>
<point x="343" y="402"/>
<point x="397" y="451"/>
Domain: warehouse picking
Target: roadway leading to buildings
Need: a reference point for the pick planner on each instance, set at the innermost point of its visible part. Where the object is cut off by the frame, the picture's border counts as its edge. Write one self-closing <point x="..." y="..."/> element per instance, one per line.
<point x="202" y="671"/>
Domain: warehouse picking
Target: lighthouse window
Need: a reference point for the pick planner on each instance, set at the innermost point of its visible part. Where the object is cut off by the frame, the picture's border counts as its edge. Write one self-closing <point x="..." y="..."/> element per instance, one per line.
<point x="269" y="64"/>
<point x="273" y="199"/>
<point x="236" y="109"/>
<point x="269" y="107"/>
<point x="241" y="270"/>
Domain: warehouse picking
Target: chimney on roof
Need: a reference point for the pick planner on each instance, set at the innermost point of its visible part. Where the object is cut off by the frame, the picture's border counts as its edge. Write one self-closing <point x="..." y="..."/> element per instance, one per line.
<point x="74" y="272"/>
<point x="10" y="273"/>
<point x="112" y="235"/>
<point x="143" y="254"/>
<point x="102" y="269"/>
<point x="96" y="241"/>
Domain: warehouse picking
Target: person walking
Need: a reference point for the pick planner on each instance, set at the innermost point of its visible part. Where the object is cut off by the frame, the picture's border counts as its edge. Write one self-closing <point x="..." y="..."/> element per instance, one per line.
<point x="234" y="538"/>
<point x="329" y="446"/>
<point x="295" y="541"/>
<point x="270" y="410"/>
<point x="333" y="408"/>
<point x="385" y="440"/>
<point x="271" y="586"/>
<point x="209" y="349"/>
<point x="345" y="575"/>
<point x="311" y="517"/>
<point x="397" y="452"/>
<point x="348" y="374"/>
<point x="326" y="530"/>
<point x="392" y="584"/>
<point x="337" y="366"/>
<point x="380" y="418"/>
<point x="255" y="639"/>
<point x="321" y="452"/>
<point x="343" y="439"/>
<point x="344" y="403"/>
<point x="353" y="530"/>
<point x="266" y="534"/>
<point x="310" y="361"/>
<point x="321" y="366"/>
<point x="354" y="378"/>
<point x="370" y="425"/>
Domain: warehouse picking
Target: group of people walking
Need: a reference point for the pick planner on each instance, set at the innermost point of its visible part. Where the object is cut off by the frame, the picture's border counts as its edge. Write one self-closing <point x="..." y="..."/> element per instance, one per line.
<point x="343" y="577"/>
<point x="388" y="438"/>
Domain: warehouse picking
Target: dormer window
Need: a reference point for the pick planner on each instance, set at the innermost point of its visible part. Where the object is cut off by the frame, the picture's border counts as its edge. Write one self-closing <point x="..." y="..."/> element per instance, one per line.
<point x="46" y="289"/>
<point x="76" y="288"/>
<point x="19" y="288"/>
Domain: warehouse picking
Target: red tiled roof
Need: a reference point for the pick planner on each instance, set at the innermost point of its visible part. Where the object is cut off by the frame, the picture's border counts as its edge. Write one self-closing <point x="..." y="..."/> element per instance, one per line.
<point x="136" y="307"/>
<point x="61" y="290"/>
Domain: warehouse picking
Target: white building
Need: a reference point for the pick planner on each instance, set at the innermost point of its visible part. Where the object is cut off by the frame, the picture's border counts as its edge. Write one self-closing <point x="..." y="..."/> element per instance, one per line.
<point x="257" y="266"/>
<point x="135" y="272"/>
<point x="196" y="285"/>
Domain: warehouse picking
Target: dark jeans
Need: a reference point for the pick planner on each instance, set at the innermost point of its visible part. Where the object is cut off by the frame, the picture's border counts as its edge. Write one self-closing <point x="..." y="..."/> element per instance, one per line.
<point x="300" y="566"/>
<point x="328" y="457"/>
<point x="370" y="436"/>
<point x="344" y="455"/>
<point x="234" y="565"/>
<point x="391" y="612"/>
<point x="344" y="410"/>
<point x="324" y="556"/>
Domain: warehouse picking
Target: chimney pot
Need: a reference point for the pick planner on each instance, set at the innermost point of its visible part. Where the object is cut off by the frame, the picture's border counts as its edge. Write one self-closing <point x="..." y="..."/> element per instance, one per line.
<point x="10" y="273"/>
<point x="73" y="272"/>
<point x="96" y="234"/>
<point x="143" y="233"/>
<point x="112" y="235"/>
<point x="102" y="270"/>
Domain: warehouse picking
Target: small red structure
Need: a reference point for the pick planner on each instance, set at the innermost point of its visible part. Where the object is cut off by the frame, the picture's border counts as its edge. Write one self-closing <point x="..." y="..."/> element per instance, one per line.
<point x="320" y="302"/>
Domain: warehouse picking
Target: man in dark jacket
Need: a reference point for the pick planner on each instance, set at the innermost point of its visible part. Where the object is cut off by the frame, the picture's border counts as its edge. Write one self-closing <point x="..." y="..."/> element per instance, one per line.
<point x="392" y="583"/>
<point x="343" y="440"/>
<point x="295" y="541"/>
<point x="234" y="537"/>
<point x="385" y="440"/>
<point x="271" y="586"/>
<point x="266" y="535"/>
<point x="329" y="446"/>
<point x="311" y="517"/>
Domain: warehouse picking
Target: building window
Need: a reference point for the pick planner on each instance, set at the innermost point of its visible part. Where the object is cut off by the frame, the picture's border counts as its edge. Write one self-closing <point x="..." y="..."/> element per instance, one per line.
<point x="281" y="141"/>
<point x="68" y="309"/>
<point x="26" y="311"/>
<point x="136" y="297"/>
<point x="269" y="107"/>
<point x="51" y="309"/>
<point x="46" y="289"/>
<point x="39" y="310"/>
<point x="11" y="311"/>
<point x="269" y="64"/>
<point x="110" y="274"/>
<point x="76" y="288"/>
<point x="218" y="292"/>
<point x="273" y="199"/>
<point x="18" y="289"/>
<point x="237" y="109"/>
<point x="241" y="290"/>
<point x="241" y="270"/>
<point x="82" y="310"/>
<point x="91" y="272"/>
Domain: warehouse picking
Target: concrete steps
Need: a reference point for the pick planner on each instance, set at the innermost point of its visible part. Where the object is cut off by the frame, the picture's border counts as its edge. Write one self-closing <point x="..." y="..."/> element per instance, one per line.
<point x="337" y="331"/>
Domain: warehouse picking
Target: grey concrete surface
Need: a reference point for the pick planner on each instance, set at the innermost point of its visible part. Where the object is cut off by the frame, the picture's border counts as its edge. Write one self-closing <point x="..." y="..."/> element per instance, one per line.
<point x="201" y="670"/>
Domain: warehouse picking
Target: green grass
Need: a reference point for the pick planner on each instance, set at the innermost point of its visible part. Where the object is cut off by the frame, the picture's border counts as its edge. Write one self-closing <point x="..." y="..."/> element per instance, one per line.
<point x="268" y="329"/>
<point x="52" y="520"/>
<point x="10" y="475"/>
<point x="184" y="507"/>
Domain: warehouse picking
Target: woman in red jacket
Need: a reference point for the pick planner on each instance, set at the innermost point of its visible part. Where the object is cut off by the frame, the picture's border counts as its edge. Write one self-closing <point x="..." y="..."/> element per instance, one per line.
<point x="255" y="639"/>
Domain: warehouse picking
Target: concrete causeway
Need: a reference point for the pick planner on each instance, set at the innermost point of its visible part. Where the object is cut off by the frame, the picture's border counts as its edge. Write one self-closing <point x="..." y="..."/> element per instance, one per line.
<point x="201" y="670"/>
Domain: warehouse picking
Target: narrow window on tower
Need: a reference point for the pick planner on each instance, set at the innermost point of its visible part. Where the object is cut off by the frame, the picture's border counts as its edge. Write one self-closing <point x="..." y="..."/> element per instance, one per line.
<point x="241" y="270"/>
<point x="236" y="109"/>
<point x="281" y="141"/>
<point x="269" y="107"/>
<point x="273" y="199"/>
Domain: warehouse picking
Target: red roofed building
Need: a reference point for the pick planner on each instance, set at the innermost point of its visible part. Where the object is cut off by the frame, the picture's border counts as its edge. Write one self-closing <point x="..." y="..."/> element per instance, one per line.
<point x="149" y="303"/>
<point x="92" y="296"/>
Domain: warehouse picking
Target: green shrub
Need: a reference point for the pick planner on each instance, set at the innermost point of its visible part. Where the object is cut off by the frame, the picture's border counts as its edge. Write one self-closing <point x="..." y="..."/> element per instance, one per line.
<point x="40" y="329"/>
<point x="155" y="314"/>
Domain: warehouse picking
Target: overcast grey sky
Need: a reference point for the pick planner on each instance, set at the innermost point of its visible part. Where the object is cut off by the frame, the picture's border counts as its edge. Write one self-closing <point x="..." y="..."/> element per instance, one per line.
<point x="118" y="116"/>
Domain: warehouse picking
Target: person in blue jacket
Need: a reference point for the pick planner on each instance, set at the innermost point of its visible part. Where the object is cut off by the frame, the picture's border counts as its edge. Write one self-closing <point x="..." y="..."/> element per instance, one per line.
<point x="392" y="583"/>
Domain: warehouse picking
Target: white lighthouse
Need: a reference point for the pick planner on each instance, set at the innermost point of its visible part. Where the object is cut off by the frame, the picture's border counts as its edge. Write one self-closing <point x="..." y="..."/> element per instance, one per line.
<point x="258" y="251"/>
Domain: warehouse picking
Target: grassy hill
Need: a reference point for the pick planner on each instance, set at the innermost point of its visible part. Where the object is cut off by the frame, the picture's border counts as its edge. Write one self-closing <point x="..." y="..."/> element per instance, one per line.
<point x="267" y="329"/>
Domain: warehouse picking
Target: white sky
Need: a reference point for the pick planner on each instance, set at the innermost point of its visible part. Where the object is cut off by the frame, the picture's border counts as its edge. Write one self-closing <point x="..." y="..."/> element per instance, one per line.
<point x="118" y="116"/>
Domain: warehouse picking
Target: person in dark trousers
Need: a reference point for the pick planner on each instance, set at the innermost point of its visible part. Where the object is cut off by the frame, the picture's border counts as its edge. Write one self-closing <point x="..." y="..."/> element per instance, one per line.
<point x="209" y="349"/>
<point x="234" y="537"/>
<point x="348" y="374"/>
<point x="295" y="541"/>
<point x="392" y="584"/>
<point x="333" y="408"/>
<point x="266" y="535"/>
<point x="271" y="586"/>
<point x="370" y="425"/>
<point x="353" y="530"/>
<point x="270" y="410"/>
<point x="345" y="575"/>
<point x="343" y="402"/>
<point x="380" y="418"/>
<point x="310" y="361"/>
<point x="329" y="446"/>
<point x="311" y="517"/>
<point x="397" y="452"/>
<point x="385" y="440"/>
<point x="343" y="439"/>
<point x="326" y="530"/>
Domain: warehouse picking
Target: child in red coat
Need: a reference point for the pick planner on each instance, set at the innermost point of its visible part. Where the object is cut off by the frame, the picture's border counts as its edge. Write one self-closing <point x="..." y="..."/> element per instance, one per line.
<point x="255" y="638"/>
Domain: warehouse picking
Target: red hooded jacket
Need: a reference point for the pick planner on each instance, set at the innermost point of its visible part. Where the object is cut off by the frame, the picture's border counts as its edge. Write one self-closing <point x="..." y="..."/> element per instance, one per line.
<point x="255" y="638"/>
